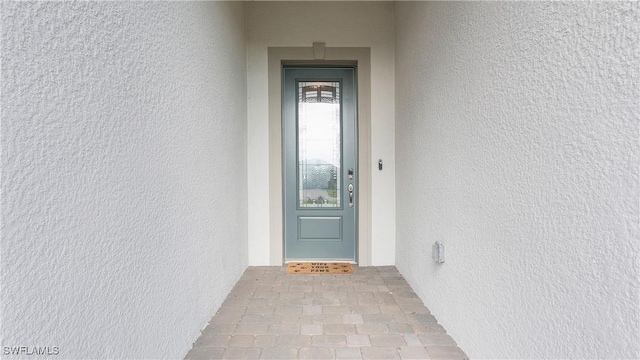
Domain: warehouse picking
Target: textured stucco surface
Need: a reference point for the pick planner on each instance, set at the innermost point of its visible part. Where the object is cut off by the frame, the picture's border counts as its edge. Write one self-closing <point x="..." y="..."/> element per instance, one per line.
<point x="517" y="128"/>
<point x="123" y="173"/>
<point x="338" y="24"/>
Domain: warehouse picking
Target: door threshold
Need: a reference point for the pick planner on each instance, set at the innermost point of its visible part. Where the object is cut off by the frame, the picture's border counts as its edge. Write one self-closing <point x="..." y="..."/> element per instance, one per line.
<point x="352" y="262"/>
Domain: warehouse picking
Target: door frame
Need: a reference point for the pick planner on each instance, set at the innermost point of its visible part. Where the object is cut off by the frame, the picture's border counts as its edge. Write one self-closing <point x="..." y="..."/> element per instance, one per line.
<point x="359" y="57"/>
<point x="344" y="216"/>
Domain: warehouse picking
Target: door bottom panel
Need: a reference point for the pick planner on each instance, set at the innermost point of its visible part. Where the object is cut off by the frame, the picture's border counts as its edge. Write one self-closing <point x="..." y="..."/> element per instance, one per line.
<point x="319" y="228"/>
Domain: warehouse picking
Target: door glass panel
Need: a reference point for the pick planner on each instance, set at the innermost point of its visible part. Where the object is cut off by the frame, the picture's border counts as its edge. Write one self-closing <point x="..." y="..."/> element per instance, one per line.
<point x="319" y="148"/>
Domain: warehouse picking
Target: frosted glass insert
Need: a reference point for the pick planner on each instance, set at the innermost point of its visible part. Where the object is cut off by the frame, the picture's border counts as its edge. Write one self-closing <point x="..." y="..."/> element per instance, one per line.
<point x="319" y="148"/>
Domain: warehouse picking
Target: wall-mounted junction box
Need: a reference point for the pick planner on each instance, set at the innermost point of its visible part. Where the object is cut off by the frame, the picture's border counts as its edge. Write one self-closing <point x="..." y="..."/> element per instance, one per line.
<point x="438" y="252"/>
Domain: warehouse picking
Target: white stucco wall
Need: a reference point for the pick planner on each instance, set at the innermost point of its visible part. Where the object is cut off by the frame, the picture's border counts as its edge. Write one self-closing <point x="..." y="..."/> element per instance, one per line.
<point x="123" y="174"/>
<point x="517" y="146"/>
<point x="338" y="24"/>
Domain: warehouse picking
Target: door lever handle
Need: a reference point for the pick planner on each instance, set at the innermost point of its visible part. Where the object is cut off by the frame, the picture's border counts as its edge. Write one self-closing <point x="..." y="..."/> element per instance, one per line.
<point x="350" y="188"/>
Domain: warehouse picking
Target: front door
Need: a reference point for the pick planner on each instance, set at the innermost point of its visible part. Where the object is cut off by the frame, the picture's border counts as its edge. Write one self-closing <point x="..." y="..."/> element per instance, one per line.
<point x="319" y="163"/>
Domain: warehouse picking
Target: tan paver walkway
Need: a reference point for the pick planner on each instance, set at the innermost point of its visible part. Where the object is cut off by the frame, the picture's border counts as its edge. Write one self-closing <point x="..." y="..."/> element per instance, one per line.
<point x="371" y="314"/>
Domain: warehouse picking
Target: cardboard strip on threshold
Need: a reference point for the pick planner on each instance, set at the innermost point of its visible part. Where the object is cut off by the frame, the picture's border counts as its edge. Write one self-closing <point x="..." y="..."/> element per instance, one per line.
<point x="319" y="268"/>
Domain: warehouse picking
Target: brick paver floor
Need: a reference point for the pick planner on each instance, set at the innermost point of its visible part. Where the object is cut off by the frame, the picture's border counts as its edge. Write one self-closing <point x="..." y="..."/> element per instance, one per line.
<point x="370" y="314"/>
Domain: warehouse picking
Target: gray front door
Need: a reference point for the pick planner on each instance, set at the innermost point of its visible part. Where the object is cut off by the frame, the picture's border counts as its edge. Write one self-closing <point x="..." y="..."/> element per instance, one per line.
<point x="319" y="163"/>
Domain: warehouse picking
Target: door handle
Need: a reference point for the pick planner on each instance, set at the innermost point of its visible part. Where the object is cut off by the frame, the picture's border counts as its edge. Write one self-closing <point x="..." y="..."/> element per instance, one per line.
<point x="350" y="188"/>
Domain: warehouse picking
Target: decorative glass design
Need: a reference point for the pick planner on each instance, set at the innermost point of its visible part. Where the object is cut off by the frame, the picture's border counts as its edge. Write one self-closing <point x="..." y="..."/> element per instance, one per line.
<point x="319" y="144"/>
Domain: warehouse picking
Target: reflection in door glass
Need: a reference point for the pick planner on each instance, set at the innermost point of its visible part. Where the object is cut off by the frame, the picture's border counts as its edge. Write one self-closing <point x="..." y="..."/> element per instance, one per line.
<point x="319" y="144"/>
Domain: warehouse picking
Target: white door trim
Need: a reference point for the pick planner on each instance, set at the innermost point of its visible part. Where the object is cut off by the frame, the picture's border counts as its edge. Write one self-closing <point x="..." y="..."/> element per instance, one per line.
<point x="361" y="57"/>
